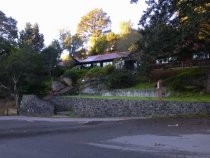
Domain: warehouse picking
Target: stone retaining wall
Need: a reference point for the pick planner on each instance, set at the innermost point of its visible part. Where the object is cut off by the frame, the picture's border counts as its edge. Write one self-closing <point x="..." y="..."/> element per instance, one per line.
<point x="33" y="106"/>
<point x="134" y="93"/>
<point x="90" y="107"/>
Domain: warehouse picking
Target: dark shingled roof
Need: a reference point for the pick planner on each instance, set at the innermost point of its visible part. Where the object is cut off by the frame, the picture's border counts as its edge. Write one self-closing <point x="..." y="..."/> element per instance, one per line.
<point x="103" y="57"/>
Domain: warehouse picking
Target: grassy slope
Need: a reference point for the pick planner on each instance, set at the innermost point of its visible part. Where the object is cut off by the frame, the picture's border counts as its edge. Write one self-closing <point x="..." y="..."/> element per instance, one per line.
<point x="173" y="75"/>
<point x="197" y="98"/>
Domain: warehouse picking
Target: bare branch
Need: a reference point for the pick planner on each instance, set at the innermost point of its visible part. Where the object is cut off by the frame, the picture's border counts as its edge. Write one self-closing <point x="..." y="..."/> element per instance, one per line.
<point x="3" y="86"/>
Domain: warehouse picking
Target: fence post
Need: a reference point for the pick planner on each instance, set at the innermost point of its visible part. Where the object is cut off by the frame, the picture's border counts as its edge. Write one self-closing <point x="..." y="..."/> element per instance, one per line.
<point x="208" y="81"/>
<point x="159" y="89"/>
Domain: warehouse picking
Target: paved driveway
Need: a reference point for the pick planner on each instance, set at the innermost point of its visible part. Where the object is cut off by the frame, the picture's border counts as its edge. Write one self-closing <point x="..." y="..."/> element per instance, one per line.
<point x="117" y="138"/>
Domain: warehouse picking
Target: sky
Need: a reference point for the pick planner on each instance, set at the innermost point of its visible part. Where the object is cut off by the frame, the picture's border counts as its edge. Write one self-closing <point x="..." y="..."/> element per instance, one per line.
<point x="55" y="15"/>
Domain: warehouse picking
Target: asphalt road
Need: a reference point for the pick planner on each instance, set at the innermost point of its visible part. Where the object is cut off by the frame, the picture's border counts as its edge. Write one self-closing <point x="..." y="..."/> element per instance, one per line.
<point x="143" y="138"/>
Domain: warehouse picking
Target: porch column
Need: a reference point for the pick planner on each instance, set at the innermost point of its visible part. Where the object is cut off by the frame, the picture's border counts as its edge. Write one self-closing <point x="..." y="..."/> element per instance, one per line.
<point x="101" y="64"/>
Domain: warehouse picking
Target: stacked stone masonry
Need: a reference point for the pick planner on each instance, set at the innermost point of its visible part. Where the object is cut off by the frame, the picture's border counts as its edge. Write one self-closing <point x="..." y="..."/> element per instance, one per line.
<point x="31" y="105"/>
<point x="90" y="107"/>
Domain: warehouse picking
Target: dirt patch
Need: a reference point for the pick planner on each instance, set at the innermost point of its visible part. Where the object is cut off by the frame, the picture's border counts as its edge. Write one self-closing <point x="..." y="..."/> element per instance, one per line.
<point x="7" y="107"/>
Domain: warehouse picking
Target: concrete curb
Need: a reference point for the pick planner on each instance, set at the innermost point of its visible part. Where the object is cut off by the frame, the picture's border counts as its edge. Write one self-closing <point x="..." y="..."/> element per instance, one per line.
<point x="62" y="125"/>
<point x="66" y="119"/>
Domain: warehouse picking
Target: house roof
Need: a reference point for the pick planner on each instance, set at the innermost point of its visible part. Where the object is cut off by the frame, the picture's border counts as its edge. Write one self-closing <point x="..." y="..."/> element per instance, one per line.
<point x="103" y="57"/>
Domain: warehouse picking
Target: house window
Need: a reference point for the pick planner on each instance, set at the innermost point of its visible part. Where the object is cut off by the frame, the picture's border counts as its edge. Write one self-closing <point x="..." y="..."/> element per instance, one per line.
<point x="119" y="64"/>
<point x="87" y="65"/>
<point x="96" y="64"/>
<point x="135" y="65"/>
<point x="107" y="63"/>
<point x="201" y="55"/>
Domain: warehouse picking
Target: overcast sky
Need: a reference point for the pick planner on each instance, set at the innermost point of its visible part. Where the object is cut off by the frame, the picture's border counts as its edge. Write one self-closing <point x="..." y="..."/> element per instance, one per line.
<point x="54" y="15"/>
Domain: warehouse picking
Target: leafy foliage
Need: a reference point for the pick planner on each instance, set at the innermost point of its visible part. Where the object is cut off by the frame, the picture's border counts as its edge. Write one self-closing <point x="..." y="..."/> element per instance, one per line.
<point x="8" y="28"/>
<point x="96" y="72"/>
<point x="128" y="41"/>
<point x="8" y="33"/>
<point x="31" y="37"/>
<point x="104" y="43"/>
<point x="76" y="44"/>
<point x="125" y="27"/>
<point x="100" y="45"/>
<point x="194" y="24"/>
<point x="69" y="42"/>
<point x="188" y="80"/>
<point x="93" y="24"/>
<point x="112" y="40"/>
<point x="173" y="28"/>
<point x="119" y="79"/>
<point x="65" y="39"/>
<point x="75" y="74"/>
<point x="50" y="56"/>
<point x="108" y="75"/>
<point x="17" y="67"/>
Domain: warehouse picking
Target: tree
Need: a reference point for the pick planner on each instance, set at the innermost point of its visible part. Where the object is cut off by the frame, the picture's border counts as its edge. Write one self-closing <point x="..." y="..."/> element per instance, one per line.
<point x="178" y="27"/>
<point x="69" y="42"/>
<point x="50" y="55"/>
<point x="128" y="41"/>
<point x="56" y="45"/>
<point x="65" y="39"/>
<point x="133" y="1"/>
<point x="103" y="44"/>
<point x="76" y="44"/>
<point x="93" y="24"/>
<point x="125" y="27"/>
<point x="8" y="33"/>
<point x="127" y="37"/>
<point x="99" y="45"/>
<point x="194" y="24"/>
<point x="112" y="39"/>
<point x="16" y="67"/>
<point x="31" y="37"/>
<point x="160" y="32"/>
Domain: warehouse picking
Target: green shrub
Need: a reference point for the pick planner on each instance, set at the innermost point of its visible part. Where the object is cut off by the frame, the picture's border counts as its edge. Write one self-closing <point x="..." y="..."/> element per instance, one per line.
<point x="119" y="79"/>
<point x="187" y="80"/>
<point x="75" y="74"/>
<point x="108" y="69"/>
<point x="58" y="71"/>
<point x="95" y="72"/>
<point x="34" y="84"/>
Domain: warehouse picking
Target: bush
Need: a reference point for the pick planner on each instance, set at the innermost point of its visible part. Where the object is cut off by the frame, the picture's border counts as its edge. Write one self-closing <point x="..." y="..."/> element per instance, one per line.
<point x="189" y="80"/>
<point x="75" y="74"/>
<point x="95" y="72"/>
<point x="119" y="79"/>
<point x="108" y="69"/>
<point x="58" y="71"/>
<point x="34" y="84"/>
<point x="98" y="72"/>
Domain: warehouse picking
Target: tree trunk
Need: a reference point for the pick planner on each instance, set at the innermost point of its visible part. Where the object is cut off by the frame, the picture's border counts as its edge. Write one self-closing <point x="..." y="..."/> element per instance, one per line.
<point x="17" y="103"/>
<point x="16" y="95"/>
<point x="208" y="81"/>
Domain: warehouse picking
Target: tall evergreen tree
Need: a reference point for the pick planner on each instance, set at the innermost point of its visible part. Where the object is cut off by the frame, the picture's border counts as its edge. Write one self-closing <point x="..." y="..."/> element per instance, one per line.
<point x="178" y="27"/>
<point x="8" y="33"/>
<point x="31" y="37"/>
<point x="93" y="24"/>
<point x="51" y="56"/>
